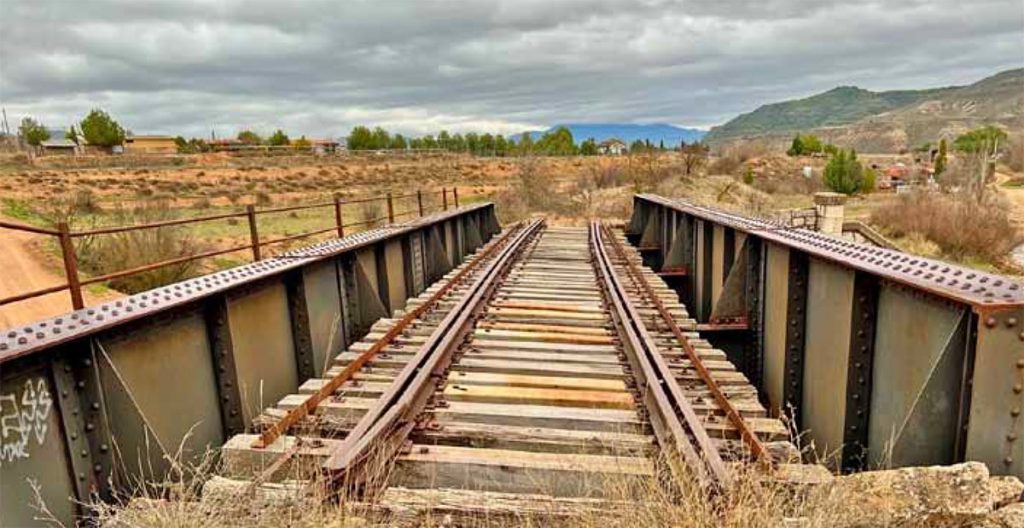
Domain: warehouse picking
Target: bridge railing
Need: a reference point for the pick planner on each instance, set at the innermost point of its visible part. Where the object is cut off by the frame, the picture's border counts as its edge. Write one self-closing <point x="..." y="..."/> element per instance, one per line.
<point x="98" y="399"/>
<point x="413" y="204"/>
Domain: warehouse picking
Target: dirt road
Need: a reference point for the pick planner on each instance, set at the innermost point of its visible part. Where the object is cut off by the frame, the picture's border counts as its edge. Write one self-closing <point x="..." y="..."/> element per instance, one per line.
<point x="21" y="270"/>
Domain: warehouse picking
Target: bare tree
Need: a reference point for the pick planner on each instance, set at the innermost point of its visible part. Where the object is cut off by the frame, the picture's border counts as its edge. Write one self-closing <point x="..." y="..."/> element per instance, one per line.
<point x="694" y="156"/>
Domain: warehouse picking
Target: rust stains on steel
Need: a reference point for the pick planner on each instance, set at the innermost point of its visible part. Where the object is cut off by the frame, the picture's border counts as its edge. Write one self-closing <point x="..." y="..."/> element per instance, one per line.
<point x="751" y="440"/>
<point x="384" y="427"/>
<point x="40" y="335"/>
<point x="662" y="395"/>
<point x="985" y="292"/>
<point x="270" y="434"/>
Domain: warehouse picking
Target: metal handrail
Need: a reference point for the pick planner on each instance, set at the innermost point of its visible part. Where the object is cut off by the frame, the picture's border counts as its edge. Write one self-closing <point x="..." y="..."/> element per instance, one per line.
<point x="73" y="283"/>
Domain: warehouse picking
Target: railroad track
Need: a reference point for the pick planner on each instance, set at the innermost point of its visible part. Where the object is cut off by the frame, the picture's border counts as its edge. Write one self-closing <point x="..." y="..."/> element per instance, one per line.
<point x="547" y="371"/>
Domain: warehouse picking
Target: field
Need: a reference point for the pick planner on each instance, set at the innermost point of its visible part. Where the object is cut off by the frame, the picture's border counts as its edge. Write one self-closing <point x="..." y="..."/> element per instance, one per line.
<point x="92" y="192"/>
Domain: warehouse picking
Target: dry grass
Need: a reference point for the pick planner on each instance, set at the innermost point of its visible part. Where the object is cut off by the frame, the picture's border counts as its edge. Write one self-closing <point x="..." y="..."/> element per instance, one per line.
<point x="961" y="226"/>
<point x="103" y="254"/>
<point x="193" y="496"/>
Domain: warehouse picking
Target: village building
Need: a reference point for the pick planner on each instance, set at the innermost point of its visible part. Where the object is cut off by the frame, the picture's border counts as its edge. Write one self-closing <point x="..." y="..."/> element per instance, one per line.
<point x="59" y="146"/>
<point x="612" y="147"/>
<point x="150" y="145"/>
<point x="324" y="146"/>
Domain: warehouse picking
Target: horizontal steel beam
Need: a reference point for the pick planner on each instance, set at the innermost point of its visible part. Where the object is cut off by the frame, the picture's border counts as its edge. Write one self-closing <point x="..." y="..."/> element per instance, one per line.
<point x="983" y="291"/>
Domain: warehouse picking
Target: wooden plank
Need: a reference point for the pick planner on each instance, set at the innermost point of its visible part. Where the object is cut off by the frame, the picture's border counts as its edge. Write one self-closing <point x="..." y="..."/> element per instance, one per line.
<point x="573" y="418"/>
<point x="497" y="436"/>
<point x="555" y="397"/>
<point x="529" y="327"/>
<point x="551" y="382"/>
<point x="471" y="364"/>
<point x="556" y="474"/>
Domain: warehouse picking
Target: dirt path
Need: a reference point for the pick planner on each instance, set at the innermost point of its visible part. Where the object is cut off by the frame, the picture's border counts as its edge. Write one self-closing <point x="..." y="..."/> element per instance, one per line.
<point x="21" y="270"/>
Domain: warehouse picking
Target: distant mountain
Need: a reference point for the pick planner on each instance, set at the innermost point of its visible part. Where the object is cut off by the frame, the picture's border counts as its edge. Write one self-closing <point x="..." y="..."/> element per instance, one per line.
<point x="885" y="121"/>
<point x="656" y="133"/>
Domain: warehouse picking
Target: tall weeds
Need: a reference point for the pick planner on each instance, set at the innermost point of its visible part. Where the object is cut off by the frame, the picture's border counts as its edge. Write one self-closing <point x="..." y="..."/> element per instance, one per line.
<point x="961" y="226"/>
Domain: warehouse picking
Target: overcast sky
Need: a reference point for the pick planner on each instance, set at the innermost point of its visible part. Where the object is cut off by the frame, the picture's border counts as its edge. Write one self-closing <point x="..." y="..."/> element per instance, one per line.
<point x="318" y="68"/>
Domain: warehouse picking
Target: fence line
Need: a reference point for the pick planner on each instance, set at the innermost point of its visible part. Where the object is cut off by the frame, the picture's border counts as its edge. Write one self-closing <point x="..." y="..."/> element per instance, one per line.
<point x="74" y="281"/>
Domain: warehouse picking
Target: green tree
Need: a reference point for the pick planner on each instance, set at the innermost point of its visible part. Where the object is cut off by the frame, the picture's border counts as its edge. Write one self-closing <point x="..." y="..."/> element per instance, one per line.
<point x="525" y="145"/>
<point x="33" y="132"/>
<point x="361" y="138"/>
<point x="796" y="148"/>
<point x="558" y="142"/>
<point x="637" y="147"/>
<point x="249" y="137"/>
<point x="940" y="159"/>
<point x="381" y="139"/>
<point x="983" y="139"/>
<point x="398" y="142"/>
<point x="486" y="145"/>
<point x="72" y="135"/>
<point x="588" y="147"/>
<point x="302" y="144"/>
<point x="844" y="173"/>
<point x="457" y="143"/>
<point x="278" y="138"/>
<point x="870" y="178"/>
<point x="99" y="129"/>
<point x="444" y="140"/>
<point x="501" y="145"/>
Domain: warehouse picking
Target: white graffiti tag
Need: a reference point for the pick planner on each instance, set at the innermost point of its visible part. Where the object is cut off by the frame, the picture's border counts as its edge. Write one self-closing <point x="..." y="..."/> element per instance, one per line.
<point x="24" y="418"/>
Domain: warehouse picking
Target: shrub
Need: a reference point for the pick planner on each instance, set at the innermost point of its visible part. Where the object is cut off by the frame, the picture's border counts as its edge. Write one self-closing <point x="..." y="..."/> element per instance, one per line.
<point x="844" y="173"/>
<point x="960" y="225"/>
<point x="870" y="178"/>
<point x="102" y="254"/>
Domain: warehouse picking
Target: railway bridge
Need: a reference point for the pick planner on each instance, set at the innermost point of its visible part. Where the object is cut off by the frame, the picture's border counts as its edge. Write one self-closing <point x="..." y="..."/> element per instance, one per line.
<point x="449" y="355"/>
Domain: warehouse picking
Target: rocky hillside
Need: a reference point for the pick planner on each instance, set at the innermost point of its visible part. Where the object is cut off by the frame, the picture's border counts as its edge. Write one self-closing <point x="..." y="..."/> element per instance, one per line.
<point x="885" y="121"/>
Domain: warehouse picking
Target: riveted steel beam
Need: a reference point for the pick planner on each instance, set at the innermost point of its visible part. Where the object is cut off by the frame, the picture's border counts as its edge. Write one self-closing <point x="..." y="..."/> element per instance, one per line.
<point x="995" y="432"/>
<point x="796" y="323"/>
<point x="222" y="350"/>
<point x="298" y="313"/>
<point x="863" y="323"/>
<point x="69" y="406"/>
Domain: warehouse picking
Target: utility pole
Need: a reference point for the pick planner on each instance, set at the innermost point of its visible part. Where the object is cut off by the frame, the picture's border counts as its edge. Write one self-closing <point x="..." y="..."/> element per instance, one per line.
<point x="7" y="128"/>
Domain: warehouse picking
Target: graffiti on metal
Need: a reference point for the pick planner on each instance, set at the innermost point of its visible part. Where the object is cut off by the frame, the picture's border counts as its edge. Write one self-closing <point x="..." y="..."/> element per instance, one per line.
<point x="24" y="418"/>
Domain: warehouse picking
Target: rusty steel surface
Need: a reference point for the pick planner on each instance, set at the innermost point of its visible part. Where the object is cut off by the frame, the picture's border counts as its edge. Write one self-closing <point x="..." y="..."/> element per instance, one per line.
<point x="751" y="440"/>
<point x="25" y="339"/>
<point x="983" y="291"/>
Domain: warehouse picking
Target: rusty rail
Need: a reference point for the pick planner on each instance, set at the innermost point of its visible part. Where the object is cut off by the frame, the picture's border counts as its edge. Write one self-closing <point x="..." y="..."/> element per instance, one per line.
<point x="385" y="426"/>
<point x="676" y="425"/>
<point x="74" y="282"/>
<point x="272" y="433"/>
<point x="751" y="440"/>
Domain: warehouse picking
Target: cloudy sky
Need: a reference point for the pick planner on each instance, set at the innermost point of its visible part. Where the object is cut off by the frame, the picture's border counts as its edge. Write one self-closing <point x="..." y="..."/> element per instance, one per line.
<point x="319" y="67"/>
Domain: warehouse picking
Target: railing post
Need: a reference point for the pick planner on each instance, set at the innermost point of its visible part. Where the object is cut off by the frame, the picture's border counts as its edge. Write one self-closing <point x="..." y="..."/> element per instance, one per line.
<point x="67" y="250"/>
<point x="444" y="198"/>
<point x="455" y="196"/>
<point x="337" y="216"/>
<point x="391" y="210"/>
<point x="254" y="236"/>
<point x="419" y="200"/>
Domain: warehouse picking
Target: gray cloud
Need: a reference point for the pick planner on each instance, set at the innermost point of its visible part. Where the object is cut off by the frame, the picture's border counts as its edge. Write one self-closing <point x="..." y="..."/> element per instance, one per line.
<point x="319" y="67"/>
